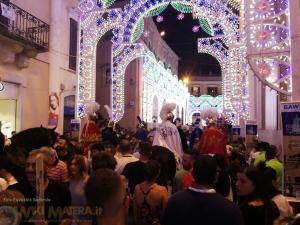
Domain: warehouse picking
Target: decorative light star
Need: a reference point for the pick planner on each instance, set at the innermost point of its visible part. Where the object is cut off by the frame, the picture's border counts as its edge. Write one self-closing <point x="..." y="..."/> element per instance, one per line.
<point x="195" y="29"/>
<point x="146" y="34"/>
<point x="159" y="19"/>
<point x="180" y="16"/>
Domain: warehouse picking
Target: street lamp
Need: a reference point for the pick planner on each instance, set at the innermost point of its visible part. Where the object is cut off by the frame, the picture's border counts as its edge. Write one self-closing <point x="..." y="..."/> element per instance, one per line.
<point x="186" y="80"/>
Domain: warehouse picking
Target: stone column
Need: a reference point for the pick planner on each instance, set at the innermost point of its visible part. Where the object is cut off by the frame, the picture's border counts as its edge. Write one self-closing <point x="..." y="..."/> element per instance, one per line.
<point x="295" y="47"/>
<point x="55" y="78"/>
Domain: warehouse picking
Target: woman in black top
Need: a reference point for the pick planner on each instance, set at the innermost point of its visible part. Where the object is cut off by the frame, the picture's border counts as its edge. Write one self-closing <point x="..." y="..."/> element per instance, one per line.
<point x="257" y="208"/>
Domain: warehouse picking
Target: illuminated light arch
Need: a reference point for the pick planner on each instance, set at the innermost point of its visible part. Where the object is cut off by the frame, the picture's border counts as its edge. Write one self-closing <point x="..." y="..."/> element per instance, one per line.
<point x="94" y="24"/>
<point x="210" y="9"/>
<point x="97" y="18"/>
<point x="234" y="76"/>
<point x="132" y="17"/>
<point x="129" y="54"/>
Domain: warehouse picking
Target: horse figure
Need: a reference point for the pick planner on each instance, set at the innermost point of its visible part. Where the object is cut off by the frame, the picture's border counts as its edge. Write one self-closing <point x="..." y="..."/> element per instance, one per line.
<point x="21" y="144"/>
<point x="34" y="138"/>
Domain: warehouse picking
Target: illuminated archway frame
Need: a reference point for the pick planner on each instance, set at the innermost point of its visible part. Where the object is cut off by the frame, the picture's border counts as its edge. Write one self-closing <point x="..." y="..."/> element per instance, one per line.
<point x="96" y="20"/>
<point x="133" y="14"/>
<point x="268" y="37"/>
<point x="234" y="76"/>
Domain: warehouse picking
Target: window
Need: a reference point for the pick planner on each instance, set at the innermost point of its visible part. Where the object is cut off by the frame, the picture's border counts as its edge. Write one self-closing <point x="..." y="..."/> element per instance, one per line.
<point x="73" y="44"/>
<point x="196" y="91"/>
<point x="107" y="76"/>
<point x="213" y="91"/>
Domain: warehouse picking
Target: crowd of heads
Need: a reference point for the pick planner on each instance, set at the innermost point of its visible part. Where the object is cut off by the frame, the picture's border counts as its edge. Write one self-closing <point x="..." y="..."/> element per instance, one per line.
<point x="107" y="190"/>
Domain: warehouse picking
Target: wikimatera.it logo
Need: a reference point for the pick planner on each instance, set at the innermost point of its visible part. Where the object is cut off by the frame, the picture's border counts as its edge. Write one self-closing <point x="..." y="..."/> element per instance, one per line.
<point x="14" y="213"/>
<point x="9" y="215"/>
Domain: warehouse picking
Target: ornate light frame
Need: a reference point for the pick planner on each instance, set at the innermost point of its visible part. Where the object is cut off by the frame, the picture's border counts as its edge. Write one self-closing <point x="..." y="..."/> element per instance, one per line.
<point x="268" y="42"/>
<point x="97" y="18"/>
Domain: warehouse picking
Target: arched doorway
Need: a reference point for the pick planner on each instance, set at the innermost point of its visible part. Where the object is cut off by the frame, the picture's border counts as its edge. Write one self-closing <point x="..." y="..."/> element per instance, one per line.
<point x="155" y="108"/>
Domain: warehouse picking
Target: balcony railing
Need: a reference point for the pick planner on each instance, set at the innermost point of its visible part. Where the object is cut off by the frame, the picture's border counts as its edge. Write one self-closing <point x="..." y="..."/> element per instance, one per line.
<point x="21" y="26"/>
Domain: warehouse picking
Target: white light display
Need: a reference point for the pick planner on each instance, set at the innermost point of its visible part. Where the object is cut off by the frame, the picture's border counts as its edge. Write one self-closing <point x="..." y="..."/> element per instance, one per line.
<point x="235" y="4"/>
<point x="94" y="24"/>
<point x="268" y="30"/>
<point x="120" y="64"/>
<point x="159" y="83"/>
<point x="225" y="26"/>
<point x="235" y="79"/>
<point x="268" y="36"/>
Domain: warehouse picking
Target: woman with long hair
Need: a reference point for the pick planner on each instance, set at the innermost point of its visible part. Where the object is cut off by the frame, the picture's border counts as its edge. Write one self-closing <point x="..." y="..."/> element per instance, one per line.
<point x="149" y="198"/>
<point x="78" y="178"/>
<point x="254" y="202"/>
<point x="285" y="209"/>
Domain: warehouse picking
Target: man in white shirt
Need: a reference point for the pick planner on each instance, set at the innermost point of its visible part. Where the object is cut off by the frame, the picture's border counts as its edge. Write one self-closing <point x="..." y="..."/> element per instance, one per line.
<point x="125" y="157"/>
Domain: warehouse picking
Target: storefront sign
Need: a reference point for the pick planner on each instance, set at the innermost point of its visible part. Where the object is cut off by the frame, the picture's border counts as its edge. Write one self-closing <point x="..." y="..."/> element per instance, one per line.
<point x="291" y="146"/>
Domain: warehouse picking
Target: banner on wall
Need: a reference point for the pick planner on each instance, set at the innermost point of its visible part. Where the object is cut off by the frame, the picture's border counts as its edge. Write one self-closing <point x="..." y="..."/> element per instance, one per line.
<point x="53" y="113"/>
<point x="251" y="131"/>
<point x="290" y="113"/>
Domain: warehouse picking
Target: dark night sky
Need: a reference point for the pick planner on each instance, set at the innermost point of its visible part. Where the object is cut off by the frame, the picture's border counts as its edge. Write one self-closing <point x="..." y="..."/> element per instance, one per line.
<point x="180" y="37"/>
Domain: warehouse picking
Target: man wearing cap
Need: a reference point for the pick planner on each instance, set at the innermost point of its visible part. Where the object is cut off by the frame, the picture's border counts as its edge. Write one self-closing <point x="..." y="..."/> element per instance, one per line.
<point x="196" y="135"/>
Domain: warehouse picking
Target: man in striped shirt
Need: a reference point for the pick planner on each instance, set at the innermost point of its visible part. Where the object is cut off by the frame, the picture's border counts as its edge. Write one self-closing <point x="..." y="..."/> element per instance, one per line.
<point x="57" y="169"/>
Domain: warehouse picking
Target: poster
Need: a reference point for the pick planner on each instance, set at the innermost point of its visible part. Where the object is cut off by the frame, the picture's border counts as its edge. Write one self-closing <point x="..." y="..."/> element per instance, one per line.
<point x="290" y="113"/>
<point x="53" y="109"/>
<point x="75" y="128"/>
<point x="251" y="131"/>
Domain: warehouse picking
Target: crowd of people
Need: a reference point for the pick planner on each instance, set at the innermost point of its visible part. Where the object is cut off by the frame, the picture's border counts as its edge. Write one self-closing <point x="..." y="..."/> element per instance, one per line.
<point x="165" y="176"/>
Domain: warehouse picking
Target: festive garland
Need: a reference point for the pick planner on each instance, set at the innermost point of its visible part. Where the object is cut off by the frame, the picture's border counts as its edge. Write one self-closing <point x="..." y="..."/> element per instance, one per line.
<point x="182" y="7"/>
<point x="205" y="25"/>
<point x="157" y="10"/>
<point x="138" y="30"/>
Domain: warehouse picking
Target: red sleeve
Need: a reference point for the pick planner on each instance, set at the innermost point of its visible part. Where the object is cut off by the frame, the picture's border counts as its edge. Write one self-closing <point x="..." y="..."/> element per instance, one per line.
<point x="188" y="180"/>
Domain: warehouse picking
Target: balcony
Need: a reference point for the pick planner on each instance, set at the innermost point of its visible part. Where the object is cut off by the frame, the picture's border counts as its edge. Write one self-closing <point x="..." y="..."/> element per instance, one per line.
<point x="22" y="27"/>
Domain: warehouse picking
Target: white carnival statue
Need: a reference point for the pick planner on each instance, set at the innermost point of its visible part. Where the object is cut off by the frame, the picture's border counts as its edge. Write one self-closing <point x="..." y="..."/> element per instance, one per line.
<point x="166" y="134"/>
